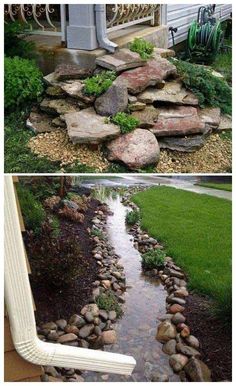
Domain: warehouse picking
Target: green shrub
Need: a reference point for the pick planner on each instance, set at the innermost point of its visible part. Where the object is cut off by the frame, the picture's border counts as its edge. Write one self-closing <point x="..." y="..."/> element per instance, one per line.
<point x="98" y="84"/>
<point x="22" y="82"/>
<point x="14" y="42"/>
<point x="153" y="259"/>
<point x="143" y="47"/>
<point x="32" y="210"/>
<point x="108" y="302"/>
<point x="126" y="122"/>
<point x="132" y="217"/>
<point x="210" y="90"/>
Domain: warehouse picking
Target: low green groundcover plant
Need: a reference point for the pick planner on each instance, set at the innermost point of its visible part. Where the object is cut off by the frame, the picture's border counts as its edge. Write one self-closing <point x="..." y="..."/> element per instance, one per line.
<point x="196" y="232"/>
<point x="98" y="84"/>
<point x="108" y="302"/>
<point x="132" y="217"/>
<point x="22" y="82"/>
<point x="32" y="210"/>
<point x="143" y="47"/>
<point x="153" y="259"/>
<point x="126" y="122"/>
<point x="210" y="90"/>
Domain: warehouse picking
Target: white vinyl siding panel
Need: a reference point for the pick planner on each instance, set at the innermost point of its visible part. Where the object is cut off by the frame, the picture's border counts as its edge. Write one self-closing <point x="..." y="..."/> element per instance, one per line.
<point x="181" y="16"/>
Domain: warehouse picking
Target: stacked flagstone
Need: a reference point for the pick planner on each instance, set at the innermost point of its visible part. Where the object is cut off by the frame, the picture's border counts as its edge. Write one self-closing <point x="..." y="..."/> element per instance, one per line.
<point x="169" y="115"/>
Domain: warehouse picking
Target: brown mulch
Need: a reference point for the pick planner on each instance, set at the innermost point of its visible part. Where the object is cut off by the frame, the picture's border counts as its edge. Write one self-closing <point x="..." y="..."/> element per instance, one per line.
<point x="53" y="304"/>
<point x="214" y="336"/>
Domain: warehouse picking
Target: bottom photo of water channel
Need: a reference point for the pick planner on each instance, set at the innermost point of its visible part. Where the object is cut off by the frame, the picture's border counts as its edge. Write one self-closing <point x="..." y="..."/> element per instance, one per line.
<point x="125" y="278"/>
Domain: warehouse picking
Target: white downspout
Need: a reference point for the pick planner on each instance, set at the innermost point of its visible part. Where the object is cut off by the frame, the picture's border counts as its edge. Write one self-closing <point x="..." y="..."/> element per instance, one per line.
<point x="100" y="17"/>
<point x="21" y="314"/>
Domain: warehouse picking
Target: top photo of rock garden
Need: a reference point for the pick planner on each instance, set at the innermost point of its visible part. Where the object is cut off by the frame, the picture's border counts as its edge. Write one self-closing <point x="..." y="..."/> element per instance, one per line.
<point x="95" y="88"/>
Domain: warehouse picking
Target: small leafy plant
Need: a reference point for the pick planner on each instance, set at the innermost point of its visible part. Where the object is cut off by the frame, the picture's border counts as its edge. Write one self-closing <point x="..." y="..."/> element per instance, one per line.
<point x="108" y="302"/>
<point x="210" y="90"/>
<point x="153" y="259"/>
<point x="126" y="122"/>
<point x="98" y="84"/>
<point x="142" y="47"/>
<point x="14" y="42"/>
<point x="132" y="217"/>
<point x="22" y="82"/>
<point x="97" y="233"/>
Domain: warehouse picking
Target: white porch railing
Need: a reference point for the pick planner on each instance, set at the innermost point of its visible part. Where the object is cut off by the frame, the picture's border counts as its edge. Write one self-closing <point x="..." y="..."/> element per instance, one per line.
<point x="120" y="16"/>
<point x="43" y="19"/>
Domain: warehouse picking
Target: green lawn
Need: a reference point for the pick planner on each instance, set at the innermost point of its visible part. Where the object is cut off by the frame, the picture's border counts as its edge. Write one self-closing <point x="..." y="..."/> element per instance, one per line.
<point x="196" y="231"/>
<point x="215" y="185"/>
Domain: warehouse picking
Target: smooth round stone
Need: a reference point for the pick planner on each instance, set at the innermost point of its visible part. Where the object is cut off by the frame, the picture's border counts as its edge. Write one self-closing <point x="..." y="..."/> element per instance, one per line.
<point x="61" y="323"/>
<point x="192" y="341"/>
<point x="178" y="361"/>
<point x="109" y="337"/>
<point x="112" y="315"/>
<point x="178" y="318"/>
<point x="170" y="347"/>
<point x="89" y="317"/>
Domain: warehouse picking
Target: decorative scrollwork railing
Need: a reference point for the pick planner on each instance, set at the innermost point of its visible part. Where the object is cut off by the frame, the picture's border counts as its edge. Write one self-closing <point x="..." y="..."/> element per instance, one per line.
<point x="38" y="18"/>
<point x="124" y="15"/>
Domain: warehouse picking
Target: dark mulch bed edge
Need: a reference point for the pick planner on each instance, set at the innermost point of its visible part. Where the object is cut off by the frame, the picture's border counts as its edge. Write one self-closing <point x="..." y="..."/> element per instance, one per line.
<point x="214" y="336"/>
<point x="52" y="304"/>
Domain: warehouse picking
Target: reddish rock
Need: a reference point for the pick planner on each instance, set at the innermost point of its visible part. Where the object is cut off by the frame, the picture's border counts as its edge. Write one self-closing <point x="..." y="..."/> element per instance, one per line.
<point x="178" y="120"/>
<point x="109" y="337"/>
<point x="136" y="149"/>
<point x="154" y="72"/>
<point x="67" y="338"/>
<point x="165" y="331"/>
<point x="184" y="330"/>
<point x="175" y="308"/>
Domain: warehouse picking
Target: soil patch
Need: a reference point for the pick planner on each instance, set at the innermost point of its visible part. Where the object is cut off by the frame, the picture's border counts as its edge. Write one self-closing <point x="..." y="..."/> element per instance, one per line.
<point x="53" y="304"/>
<point x="214" y="336"/>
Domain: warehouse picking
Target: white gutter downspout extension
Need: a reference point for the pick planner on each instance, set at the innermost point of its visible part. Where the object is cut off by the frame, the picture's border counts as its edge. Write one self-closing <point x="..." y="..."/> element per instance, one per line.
<point x="21" y="314"/>
<point x="101" y="29"/>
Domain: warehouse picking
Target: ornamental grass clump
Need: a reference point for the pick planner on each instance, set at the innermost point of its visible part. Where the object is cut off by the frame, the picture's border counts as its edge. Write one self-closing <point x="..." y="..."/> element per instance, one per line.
<point x="23" y="82"/>
<point x="98" y="84"/>
<point x="153" y="259"/>
<point x="132" y="217"/>
<point x="211" y="90"/>
<point x="142" y="47"/>
<point x="126" y="122"/>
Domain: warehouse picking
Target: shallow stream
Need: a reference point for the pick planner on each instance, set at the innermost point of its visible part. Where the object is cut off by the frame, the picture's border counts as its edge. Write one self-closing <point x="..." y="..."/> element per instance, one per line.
<point x="145" y="302"/>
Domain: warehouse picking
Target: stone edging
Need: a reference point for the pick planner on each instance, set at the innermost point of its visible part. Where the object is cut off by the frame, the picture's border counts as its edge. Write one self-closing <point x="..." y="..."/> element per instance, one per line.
<point x="173" y="332"/>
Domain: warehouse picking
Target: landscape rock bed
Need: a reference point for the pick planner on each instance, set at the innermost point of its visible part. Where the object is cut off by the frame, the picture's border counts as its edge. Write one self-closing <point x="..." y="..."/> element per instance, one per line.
<point x="149" y="90"/>
<point x="178" y="342"/>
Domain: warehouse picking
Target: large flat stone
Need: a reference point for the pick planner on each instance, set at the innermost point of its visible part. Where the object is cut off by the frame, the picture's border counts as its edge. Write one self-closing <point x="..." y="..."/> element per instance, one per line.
<point x="172" y="92"/>
<point x="114" y="100"/>
<point x="153" y="73"/>
<point x="59" y="106"/>
<point x="210" y="116"/>
<point x="75" y="90"/>
<point x="146" y="117"/>
<point x="40" y="123"/>
<point x="71" y="71"/>
<point x="121" y="60"/>
<point x="178" y="120"/>
<point x="88" y="127"/>
<point x="187" y="144"/>
<point x="136" y="149"/>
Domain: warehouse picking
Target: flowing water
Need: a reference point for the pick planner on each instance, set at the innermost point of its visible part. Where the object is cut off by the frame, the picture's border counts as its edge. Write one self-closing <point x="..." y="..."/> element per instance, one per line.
<point x="145" y="302"/>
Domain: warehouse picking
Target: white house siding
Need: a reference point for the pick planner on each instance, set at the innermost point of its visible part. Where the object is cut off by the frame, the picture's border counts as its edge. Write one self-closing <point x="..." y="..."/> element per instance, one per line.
<point x="182" y="15"/>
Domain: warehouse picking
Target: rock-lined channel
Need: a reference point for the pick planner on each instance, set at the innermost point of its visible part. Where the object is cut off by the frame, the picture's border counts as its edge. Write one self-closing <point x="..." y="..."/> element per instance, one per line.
<point x="145" y="301"/>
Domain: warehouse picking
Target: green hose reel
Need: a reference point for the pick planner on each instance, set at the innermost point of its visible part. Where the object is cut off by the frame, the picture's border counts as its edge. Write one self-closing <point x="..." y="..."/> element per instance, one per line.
<point x="204" y="36"/>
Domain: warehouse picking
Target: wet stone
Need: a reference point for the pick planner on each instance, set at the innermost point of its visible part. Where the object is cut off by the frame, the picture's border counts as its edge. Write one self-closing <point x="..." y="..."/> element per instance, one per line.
<point x="178" y="361"/>
<point x="170" y="347"/>
<point x="85" y="331"/>
<point x="186" y="350"/>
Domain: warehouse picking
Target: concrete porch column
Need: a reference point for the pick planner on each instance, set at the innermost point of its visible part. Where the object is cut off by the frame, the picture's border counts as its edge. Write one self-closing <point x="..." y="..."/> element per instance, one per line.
<point x="81" y="32"/>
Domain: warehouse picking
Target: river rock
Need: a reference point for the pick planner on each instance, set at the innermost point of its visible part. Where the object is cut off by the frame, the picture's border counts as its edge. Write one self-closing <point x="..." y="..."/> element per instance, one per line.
<point x="181" y="293"/>
<point x="178" y="361"/>
<point x="197" y="371"/>
<point x="85" y="331"/>
<point x="172" y="92"/>
<point x="103" y="314"/>
<point x="93" y="308"/>
<point x="49" y="326"/>
<point x="109" y="337"/>
<point x="113" y="101"/>
<point x="53" y="335"/>
<point x="88" y="127"/>
<point x="166" y="331"/>
<point x="112" y="315"/>
<point x="153" y="374"/>
<point x="71" y="329"/>
<point x="210" y="116"/>
<point x="186" y="350"/>
<point x="175" y="300"/>
<point x="40" y="123"/>
<point x="61" y="323"/>
<point x="186" y="144"/>
<point x="106" y="284"/>
<point x="89" y="317"/>
<point x="178" y="120"/>
<point x="122" y="59"/>
<point x="77" y="320"/>
<point x="147" y="117"/>
<point x="192" y="341"/>
<point x="58" y="106"/>
<point x="71" y="71"/>
<point x="170" y="347"/>
<point x="153" y="73"/>
<point x="178" y="318"/>
<point x="175" y="308"/>
<point x="136" y="149"/>
<point x="66" y="338"/>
